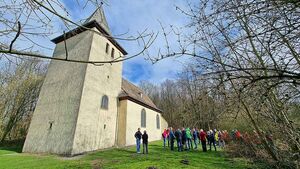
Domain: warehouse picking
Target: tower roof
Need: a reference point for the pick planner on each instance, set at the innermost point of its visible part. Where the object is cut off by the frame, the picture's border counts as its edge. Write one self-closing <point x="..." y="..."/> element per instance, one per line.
<point x="100" y="18"/>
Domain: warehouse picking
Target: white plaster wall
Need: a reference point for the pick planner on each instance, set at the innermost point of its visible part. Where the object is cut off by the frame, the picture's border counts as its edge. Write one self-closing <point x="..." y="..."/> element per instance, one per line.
<point x="99" y="80"/>
<point x="134" y="122"/>
<point x="59" y="100"/>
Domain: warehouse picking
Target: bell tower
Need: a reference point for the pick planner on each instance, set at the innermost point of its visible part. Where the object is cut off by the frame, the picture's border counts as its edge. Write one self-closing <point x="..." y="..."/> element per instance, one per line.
<point x="77" y="107"/>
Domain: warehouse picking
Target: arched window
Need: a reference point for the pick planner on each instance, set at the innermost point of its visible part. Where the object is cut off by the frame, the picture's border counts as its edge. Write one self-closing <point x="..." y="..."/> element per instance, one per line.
<point x="143" y="118"/>
<point x="112" y="53"/>
<point x="104" y="102"/>
<point x="157" y="122"/>
<point x="107" y="48"/>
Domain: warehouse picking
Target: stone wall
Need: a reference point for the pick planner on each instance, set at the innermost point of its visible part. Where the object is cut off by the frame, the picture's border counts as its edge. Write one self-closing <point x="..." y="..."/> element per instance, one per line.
<point x="96" y="127"/>
<point x="54" y="119"/>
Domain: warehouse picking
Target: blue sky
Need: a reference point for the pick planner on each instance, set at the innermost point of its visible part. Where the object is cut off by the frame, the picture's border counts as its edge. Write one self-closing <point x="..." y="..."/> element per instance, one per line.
<point x="124" y="16"/>
<point x="135" y="16"/>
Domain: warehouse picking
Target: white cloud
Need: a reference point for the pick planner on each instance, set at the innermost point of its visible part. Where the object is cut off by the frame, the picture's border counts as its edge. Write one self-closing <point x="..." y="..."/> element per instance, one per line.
<point x="137" y="15"/>
<point x="133" y="16"/>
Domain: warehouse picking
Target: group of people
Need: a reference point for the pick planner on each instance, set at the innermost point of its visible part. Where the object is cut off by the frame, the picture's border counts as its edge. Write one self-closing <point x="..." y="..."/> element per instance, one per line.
<point x="185" y="138"/>
<point x="188" y="139"/>
<point x="139" y="136"/>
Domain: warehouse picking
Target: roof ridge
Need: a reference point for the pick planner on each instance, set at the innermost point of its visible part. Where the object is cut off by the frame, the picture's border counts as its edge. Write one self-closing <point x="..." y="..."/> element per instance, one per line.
<point x="134" y="85"/>
<point x="133" y="91"/>
<point x="99" y="16"/>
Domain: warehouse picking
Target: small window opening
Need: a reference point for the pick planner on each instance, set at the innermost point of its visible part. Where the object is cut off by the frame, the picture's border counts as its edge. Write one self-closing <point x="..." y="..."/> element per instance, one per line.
<point x="112" y="53"/>
<point x="141" y="94"/>
<point x="107" y="48"/>
<point x="104" y="102"/>
<point x="50" y="125"/>
<point x="104" y="126"/>
<point x="107" y="77"/>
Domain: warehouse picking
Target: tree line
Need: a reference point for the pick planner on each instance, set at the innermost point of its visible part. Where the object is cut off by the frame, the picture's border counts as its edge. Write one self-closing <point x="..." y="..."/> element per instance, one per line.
<point x="245" y="69"/>
<point x="19" y="90"/>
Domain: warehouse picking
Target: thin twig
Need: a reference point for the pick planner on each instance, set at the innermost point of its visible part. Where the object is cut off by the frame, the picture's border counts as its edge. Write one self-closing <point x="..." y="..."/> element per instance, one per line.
<point x="17" y="35"/>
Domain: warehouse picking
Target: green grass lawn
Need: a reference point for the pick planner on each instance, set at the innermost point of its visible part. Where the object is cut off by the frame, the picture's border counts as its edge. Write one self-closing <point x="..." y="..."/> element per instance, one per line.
<point x="10" y="158"/>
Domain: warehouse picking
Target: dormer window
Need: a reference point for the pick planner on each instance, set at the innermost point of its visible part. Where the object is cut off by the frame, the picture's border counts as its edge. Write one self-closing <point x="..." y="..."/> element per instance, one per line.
<point x="141" y="94"/>
<point x="107" y="48"/>
<point x="112" y="53"/>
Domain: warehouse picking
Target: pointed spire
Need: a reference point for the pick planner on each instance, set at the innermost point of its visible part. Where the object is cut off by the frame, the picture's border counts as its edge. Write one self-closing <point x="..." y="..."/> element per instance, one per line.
<point x="100" y="18"/>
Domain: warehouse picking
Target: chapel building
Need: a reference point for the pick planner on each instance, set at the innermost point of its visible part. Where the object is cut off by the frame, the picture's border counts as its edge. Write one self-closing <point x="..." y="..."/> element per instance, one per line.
<point x="85" y="107"/>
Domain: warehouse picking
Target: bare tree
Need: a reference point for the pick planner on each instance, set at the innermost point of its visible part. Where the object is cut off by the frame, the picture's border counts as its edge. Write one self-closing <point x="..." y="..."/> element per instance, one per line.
<point x="252" y="49"/>
<point x="20" y="86"/>
<point x="27" y="23"/>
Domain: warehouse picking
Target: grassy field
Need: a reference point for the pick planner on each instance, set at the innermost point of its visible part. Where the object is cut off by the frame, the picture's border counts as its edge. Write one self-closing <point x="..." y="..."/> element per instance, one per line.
<point x="11" y="158"/>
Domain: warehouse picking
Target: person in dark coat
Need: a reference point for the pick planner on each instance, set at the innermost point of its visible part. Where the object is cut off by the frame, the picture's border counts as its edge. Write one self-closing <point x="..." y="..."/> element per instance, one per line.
<point x="138" y="137"/>
<point x="145" y="142"/>
<point x="178" y="136"/>
<point x="184" y="138"/>
<point x="195" y="137"/>
<point x="212" y="141"/>
<point x="172" y="138"/>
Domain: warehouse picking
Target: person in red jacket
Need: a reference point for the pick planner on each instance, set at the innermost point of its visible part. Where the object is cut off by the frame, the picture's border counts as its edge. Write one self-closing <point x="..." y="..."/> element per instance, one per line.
<point x="203" y="140"/>
<point x="164" y="136"/>
<point x="168" y="136"/>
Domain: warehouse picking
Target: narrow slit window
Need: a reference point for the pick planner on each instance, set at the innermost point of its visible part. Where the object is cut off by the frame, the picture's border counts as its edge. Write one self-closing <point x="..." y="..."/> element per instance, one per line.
<point x="157" y="122"/>
<point x="107" y="48"/>
<point x="112" y="53"/>
<point x="143" y="118"/>
<point x="50" y="124"/>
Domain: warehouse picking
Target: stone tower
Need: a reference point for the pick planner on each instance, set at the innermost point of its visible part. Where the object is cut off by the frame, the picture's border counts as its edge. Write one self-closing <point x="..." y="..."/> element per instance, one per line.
<point x="77" y="108"/>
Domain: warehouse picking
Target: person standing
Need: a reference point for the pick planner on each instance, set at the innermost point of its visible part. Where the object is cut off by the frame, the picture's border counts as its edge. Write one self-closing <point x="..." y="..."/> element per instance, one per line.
<point x="195" y="137"/>
<point x="198" y="135"/>
<point x="178" y="136"/>
<point x="172" y="138"/>
<point x="216" y="136"/>
<point x="145" y="142"/>
<point x="164" y="135"/>
<point x="203" y="140"/>
<point x="168" y="136"/>
<point x="208" y="137"/>
<point x="212" y="141"/>
<point x="189" y="138"/>
<point x="138" y="137"/>
<point x="183" y="143"/>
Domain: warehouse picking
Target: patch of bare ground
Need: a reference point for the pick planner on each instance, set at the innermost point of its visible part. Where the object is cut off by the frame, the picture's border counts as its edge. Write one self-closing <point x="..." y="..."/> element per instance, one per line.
<point x="97" y="164"/>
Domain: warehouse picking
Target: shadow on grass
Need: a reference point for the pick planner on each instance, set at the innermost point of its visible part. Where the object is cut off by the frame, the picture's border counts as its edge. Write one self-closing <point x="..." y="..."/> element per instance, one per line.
<point x="16" y="149"/>
<point x="13" y="146"/>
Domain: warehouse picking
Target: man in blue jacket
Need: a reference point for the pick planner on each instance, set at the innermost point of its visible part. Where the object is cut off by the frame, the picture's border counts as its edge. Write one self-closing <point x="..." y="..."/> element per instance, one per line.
<point x="138" y="137"/>
<point x="172" y="138"/>
<point x="178" y="136"/>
